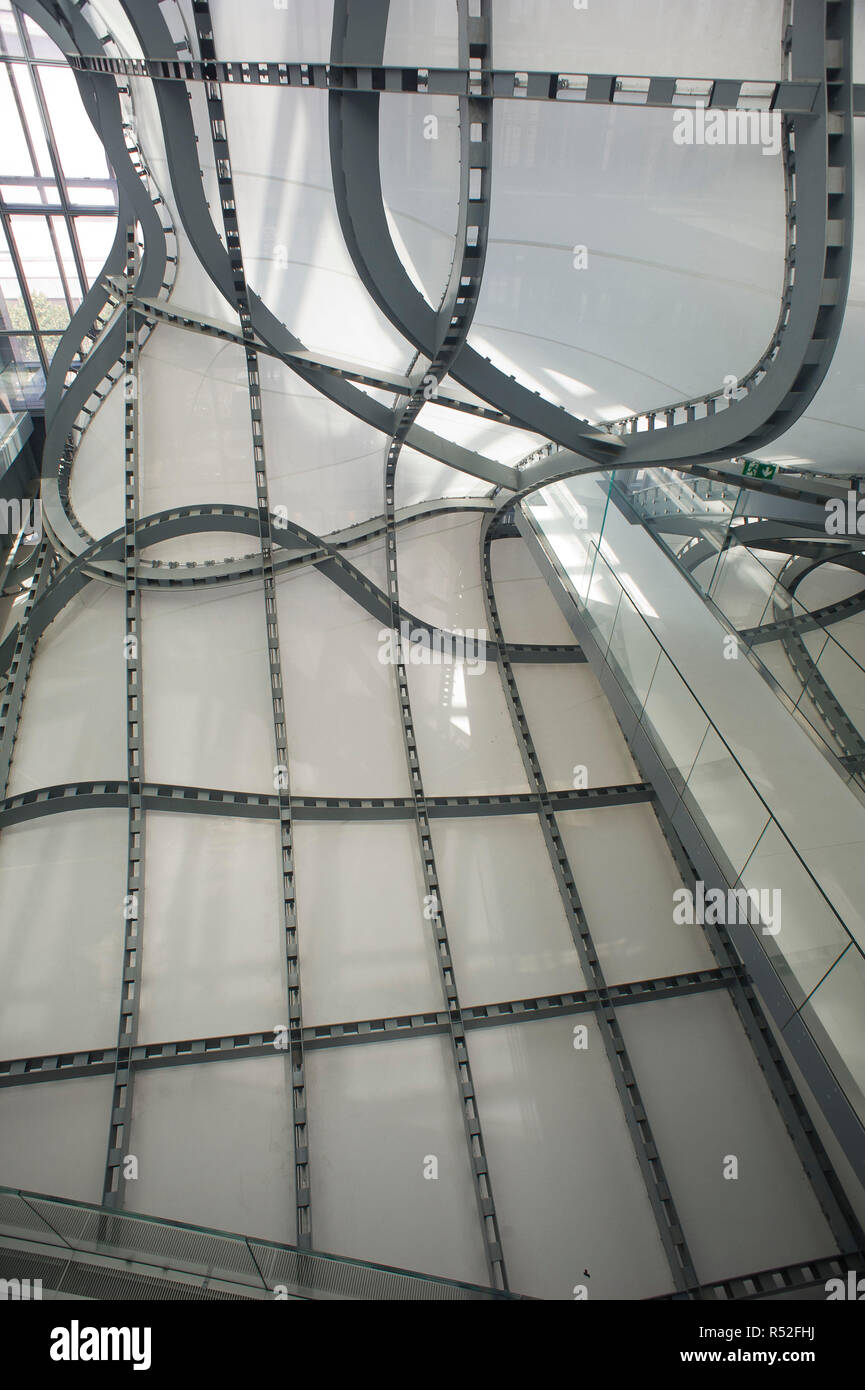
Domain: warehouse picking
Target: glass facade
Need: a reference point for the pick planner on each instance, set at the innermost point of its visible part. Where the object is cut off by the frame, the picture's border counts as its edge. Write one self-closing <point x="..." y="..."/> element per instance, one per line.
<point x="58" y="202"/>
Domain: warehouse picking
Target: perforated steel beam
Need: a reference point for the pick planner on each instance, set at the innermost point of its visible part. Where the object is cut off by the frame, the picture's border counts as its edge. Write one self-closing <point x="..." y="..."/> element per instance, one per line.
<point x="282" y="780"/>
<point x="107" y="794"/>
<point x="25" y="1071"/>
<point x="133" y="908"/>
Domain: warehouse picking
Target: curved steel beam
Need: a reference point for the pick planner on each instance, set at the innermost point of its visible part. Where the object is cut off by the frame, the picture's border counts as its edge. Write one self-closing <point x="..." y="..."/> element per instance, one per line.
<point x="811" y="316"/>
<point x="182" y="154"/>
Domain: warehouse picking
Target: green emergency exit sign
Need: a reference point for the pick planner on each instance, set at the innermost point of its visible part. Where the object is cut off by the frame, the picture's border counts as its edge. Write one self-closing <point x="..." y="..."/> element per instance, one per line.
<point x="752" y="469"/>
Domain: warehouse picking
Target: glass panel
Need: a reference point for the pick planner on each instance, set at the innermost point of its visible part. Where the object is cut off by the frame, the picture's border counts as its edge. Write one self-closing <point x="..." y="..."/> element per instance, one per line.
<point x="834" y="1015"/>
<point x="32" y="115"/>
<point x="15" y="156"/>
<point x="22" y="383"/>
<point x="79" y="147"/>
<point x="95" y="235"/>
<point x="805" y="936"/>
<point x="36" y="253"/>
<point x="13" y="311"/>
<point x="40" y="44"/>
<point x="634" y="650"/>
<point x="9" y="40"/>
<point x="719" y="793"/>
<point x="21" y="348"/>
<point x="676" y="722"/>
<point x="90" y="194"/>
<point x="67" y="259"/>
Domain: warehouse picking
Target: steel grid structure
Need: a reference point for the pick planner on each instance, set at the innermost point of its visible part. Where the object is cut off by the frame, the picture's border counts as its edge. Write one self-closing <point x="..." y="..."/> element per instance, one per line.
<point x="817" y="115"/>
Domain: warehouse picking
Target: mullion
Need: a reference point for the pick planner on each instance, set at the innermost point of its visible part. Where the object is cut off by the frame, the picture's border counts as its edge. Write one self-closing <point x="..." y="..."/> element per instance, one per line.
<point x="53" y="152"/>
<point x="24" y="287"/>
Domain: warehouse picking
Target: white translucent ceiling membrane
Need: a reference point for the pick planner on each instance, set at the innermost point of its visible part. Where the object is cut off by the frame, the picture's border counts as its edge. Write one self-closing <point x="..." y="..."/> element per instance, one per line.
<point x="62" y="883"/>
<point x="366" y="954"/>
<point x="439" y="572"/>
<point x="206" y="689"/>
<point x="96" y="485"/>
<point x="195" y="435"/>
<point x="507" y="928"/>
<point x="709" y="1103"/>
<point x="419" y="478"/>
<point x="287" y="31"/>
<point x="294" y="254"/>
<point x="192" y="285"/>
<point x="465" y="740"/>
<point x="684" y="257"/>
<point x="381" y="1112"/>
<point x="527" y="610"/>
<point x="419" y="147"/>
<point x="422" y="33"/>
<point x="214" y="1146"/>
<point x="342" y="716"/>
<point x="569" y="1194"/>
<point x="323" y="465"/>
<point x="73" y="726"/>
<point x="53" y="1138"/>
<point x="573" y="726"/>
<point x="486" y="437"/>
<point x="680" y="38"/>
<point x="215" y="962"/>
<point x="630" y="914"/>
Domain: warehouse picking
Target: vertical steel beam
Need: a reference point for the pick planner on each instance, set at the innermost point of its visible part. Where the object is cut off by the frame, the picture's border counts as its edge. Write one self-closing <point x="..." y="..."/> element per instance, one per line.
<point x="453" y="322"/>
<point x="649" y="1160"/>
<point x="133" y="906"/>
<point x="219" y="136"/>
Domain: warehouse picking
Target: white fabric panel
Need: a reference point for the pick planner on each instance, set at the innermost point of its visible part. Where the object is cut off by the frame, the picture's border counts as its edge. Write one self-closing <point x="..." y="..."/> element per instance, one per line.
<point x="507" y="928"/>
<point x="214" y="1146"/>
<point x="195" y="434"/>
<point x="53" y="1137"/>
<point x="706" y="1100"/>
<point x="72" y="721"/>
<point x="829" y="584"/>
<point x="323" y="465"/>
<point x="627" y="332"/>
<point x="420" y="174"/>
<point x="96" y="485"/>
<point x="370" y="560"/>
<point x="679" y="38"/>
<point x="487" y="437"/>
<point x="342" y="715"/>
<point x="214" y="954"/>
<point x="422" y="33"/>
<point x="365" y="953"/>
<point x="527" y="610"/>
<point x="630" y="914"/>
<point x="62" y="884"/>
<point x="294" y="254"/>
<point x="569" y="1194"/>
<point x="287" y="31"/>
<point x="379" y="1113"/>
<point x="466" y="743"/>
<point x="745" y="584"/>
<point x="440" y="572"/>
<point x="192" y="284"/>
<point x="572" y="725"/>
<point x="419" y="478"/>
<point x="208" y="719"/>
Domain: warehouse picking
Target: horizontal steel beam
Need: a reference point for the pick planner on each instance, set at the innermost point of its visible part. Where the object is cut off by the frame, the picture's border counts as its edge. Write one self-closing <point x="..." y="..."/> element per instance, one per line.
<point x="99" y="795"/>
<point x="771" y="1283"/>
<point x="503" y="83"/>
<point x="234" y="1047"/>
